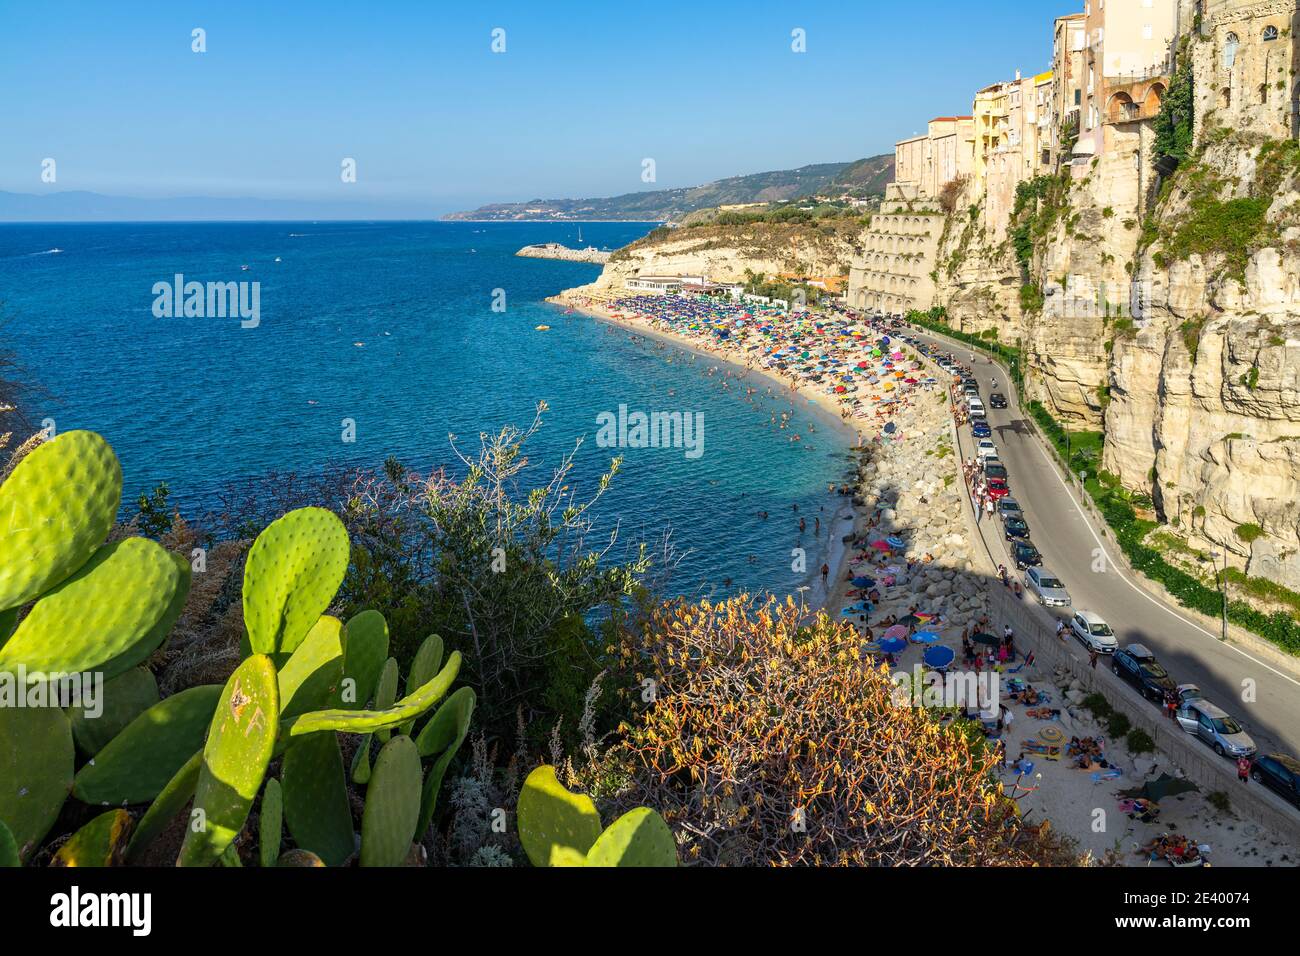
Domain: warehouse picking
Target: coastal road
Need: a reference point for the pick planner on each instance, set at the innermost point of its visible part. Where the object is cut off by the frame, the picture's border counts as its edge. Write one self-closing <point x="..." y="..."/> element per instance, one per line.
<point x="1069" y="545"/>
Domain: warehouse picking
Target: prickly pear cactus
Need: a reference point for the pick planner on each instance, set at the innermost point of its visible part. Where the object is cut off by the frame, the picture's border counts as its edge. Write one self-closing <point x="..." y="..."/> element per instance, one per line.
<point x="316" y="798"/>
<point x="137" y="764"/>
<point x="100" y="842"/>
<point x="125" y="698"/>
<point x="56" y="509"/>
<point x="392" y="805"/>
<point x="386" y="693"/>
<point x="293" y="571"/>
<point x="368" y="721"/>
<point x="108" y="617"/>
<point x="298" y="857"/>
<point x="235" y="757"/>
<point x="8" y="849"/>
<point x="556" y="827"/>
<point x="365" y="651"/>
<point x="424" y="667"/>
<point x="443" y="735"/>
<point x="269" y="821"/>
<point x="310" y="679"/>
<point x="36" y="761"/>
<point x="163" y="810"/>
<point x="639" y="837"/>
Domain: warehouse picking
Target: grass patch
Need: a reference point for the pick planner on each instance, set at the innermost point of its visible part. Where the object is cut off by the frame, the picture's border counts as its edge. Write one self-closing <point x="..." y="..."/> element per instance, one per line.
<point x="1139" y="741"/>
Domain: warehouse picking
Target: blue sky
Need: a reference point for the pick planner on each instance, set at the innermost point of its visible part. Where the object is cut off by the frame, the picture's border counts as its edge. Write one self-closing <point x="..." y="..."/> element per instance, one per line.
<point x="413" y="92"/>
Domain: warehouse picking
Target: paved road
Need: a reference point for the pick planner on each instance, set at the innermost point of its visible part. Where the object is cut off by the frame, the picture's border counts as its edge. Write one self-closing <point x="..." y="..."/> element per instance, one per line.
<point x="1068" y="544"/>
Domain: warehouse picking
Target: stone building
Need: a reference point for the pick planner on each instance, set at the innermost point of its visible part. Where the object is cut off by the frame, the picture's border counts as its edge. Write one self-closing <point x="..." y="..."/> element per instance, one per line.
<point x="1244" y="67"/>
<point x="1069" y="41"/>
<point x="1011" y="122"/>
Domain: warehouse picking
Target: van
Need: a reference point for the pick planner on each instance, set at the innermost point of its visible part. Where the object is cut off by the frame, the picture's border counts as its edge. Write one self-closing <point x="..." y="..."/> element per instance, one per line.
<point x="976" y="408"/>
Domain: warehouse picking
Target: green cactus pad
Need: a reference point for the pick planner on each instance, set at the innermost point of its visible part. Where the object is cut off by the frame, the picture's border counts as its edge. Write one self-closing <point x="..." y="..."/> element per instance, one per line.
<point x="364" y="654"/>
<point x="238" y="750"/>
<point x="310" y="679"/>
<point x="386" y="693"/>
<point x="270" y="820"/>
<point x="99" y="843"/>
<point x="424" y="667"/>
<point x="368" y="721"/>
<point x="125" y="698"/>
<point x="316" y="798"/>
<point x="443" y="735"/>
<point x="639" y="837"/>
<point x="556" y="827"/>
<point x="361" y="761"/>
<point x="8" y="849"/>
<point x="392" y="805"/>
<point x="104" y="618"/>
<point x="163" y="810"/>
<point x="293" y="571"/>
<point x="299" y="858"/>
<point x="36" y="762"/>
<point x="56" y="509"/>
<point x="138" y="763"/>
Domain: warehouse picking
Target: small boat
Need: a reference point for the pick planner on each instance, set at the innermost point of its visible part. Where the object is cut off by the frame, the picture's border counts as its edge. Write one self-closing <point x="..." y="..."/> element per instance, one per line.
<point x="277" y="258"/>
<point x="243" y="268"/>
<point x="359" y="345"/>
<point x="543" y="328"/>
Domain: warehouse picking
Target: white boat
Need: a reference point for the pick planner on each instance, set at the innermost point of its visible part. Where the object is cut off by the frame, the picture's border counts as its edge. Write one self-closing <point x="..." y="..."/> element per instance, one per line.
<point x="243" y="268"/>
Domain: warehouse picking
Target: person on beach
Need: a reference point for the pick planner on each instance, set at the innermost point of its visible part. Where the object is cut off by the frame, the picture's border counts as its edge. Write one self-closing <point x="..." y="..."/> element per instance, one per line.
<point x="1060" y="630"/>
<point x="826" y="570"/>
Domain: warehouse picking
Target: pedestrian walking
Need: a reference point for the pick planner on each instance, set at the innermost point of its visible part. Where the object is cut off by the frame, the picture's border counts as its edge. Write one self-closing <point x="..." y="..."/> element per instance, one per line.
<point x="1092" y="659"/>
<point x="826" y="570"/>
<point x="1060" y="630"/>
<point x="1243" y="769"/>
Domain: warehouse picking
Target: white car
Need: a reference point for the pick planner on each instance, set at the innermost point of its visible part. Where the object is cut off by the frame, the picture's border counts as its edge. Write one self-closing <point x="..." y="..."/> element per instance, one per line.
<point x="1047" y="587"/>
<point x="1094" y="632"/>
<point x="986" y="449"/>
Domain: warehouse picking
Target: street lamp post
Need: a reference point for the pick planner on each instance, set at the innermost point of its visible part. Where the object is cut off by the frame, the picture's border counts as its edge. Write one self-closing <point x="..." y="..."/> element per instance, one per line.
<point x="1222" y="582"/>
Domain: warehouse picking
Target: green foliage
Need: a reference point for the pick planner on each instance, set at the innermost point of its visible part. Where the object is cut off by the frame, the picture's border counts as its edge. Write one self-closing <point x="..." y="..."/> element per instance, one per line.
<point x="1098" y="705"/>
<point x="1174" y="124"/>
<point x="1231" y="228"/>
<point x="1031" y="298"/>
<point x="1248" y="532"/>
<point x="270" y="819"/>
<point x="154" y="516"/>
<point x="124" y="698"/>
<point x="1118" y="724"/>
<point x="36" y="763"/>
<point x="392" y="804"/>
<point x="1139" y="741"/>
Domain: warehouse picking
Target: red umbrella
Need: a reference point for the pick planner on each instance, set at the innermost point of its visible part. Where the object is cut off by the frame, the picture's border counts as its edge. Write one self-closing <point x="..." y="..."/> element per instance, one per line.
<point x="881" y="545"/>
<point x="898" y="630"/>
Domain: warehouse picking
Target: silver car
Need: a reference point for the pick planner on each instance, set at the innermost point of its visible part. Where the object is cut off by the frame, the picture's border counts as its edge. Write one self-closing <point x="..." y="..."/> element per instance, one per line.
<point x="1047" y="587"/>
<point x="1214" y="726"/>
<point x="1094" y="632"/>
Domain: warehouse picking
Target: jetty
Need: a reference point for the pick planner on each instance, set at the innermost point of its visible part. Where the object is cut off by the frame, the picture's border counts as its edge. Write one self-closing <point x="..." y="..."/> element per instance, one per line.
<point x="553" y="250"/>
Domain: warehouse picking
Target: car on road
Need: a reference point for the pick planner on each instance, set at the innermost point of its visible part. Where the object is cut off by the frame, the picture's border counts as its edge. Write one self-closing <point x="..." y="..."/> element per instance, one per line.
<point x="1217" y="728"/>
<point x="1015" y="529"/>
<point x="1188" y="692"/>
<point x="1093" y="632"/>
<point x="975" y="408"/>
<point x="1279" y="772"/>
<point x="993" y="468"/>
<point x="1025" y="555"/>
<point x="981" y="430"/>
<point x="985" y="448"/>
<point x="1009" y="508"/>
<point x="1137" y="665"/>
<point x="997" y="400"/>
<point x="1047" y="587"/>
<point x="998" y="488"/>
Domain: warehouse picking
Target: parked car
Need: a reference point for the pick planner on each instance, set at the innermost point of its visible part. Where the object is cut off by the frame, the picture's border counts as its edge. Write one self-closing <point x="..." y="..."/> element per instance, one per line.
<point x="1188" y="692"/>
<point x="981" y="430"/>
<point x="1279" y="772"/>
<point x="1094" y="632"/>
<point x="1137" y="665"/>
<point x="976" y="408"/>
<point x="1015" y="529"/>
<point x="985" y="448"/>
<point x="993" y="468"/>
<point x="1009" y="508"/>
<point x="1216" y="727"/>
<point x="1047" y="587"/>
<point x="997" y="400"/>
<point x="1025" y="555"/>
<point x="998" y="488"/>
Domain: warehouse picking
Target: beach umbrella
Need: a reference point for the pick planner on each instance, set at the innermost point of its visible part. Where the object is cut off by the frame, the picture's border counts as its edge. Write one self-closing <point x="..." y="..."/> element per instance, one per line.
<point x="981" y="638"/>
<point x="892" y="645"/>
<point x="880" y="545"/>
<point x="939" y="656"/>
<point x="895" y="542"/>
<point x="925" y="637"/>
<point x="890" y="428"/>
<point x="897" y="632"/>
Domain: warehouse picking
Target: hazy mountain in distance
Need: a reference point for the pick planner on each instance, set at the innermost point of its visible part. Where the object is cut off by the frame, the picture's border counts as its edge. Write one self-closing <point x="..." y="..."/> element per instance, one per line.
<point x="863" y="178"/>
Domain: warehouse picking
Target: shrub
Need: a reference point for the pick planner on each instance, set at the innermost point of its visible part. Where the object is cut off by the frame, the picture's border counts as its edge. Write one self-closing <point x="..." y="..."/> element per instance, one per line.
<point x="1118" y="725"/>
<point x="1098" y="706"/>
<point x="1139" y="741"/>
<point x="1249" y="532"/>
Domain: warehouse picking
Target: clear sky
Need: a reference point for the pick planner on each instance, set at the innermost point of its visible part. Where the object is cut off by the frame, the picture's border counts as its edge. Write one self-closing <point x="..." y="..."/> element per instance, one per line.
<point x="413" y="92"/>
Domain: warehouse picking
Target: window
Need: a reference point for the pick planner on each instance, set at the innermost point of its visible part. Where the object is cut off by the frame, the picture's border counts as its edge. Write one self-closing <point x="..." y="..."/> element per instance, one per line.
<point x="1230" y="43"/>
<point x="1147" y="32"/>
<point x="1270" y="33"/>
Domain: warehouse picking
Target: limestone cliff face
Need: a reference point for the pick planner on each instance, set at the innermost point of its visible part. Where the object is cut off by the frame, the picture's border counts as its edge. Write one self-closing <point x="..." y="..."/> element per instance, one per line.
<point x="724" y="253"/>
<point x="978" y="279"/>
<point x="1205" y="410"/>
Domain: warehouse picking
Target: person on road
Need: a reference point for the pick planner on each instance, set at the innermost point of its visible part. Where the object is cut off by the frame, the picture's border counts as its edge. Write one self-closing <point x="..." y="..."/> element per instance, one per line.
<point x="826" y="570"/>
<point x="1092" y="659"/>
<point x="1060" y="629"/>
<point x="1243" y="769"/>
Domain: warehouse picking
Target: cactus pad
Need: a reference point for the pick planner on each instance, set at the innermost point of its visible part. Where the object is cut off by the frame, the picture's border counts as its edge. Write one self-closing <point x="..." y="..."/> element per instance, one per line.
<point x="270" y="820"/>
<point x="125" y="698"/>
<point x="139" y="762"/>
<point x="36" y="761"/>
<point x="365" y="650"/>
<point x="299" y="858"/>
<point x="56" y="509"/>
<point x="316" y="798"/>
<point x="163" y="810"/>
<point x="442" y="735"/>
<point x="556" y="827"/>
<point x="238" y="749"/>
<point x="424" y="667"/>
<point x="293" y="571"/>
<point x="310" y="679"/>
<point x="639" y="837"/>
<point x="100" y="842"/>
<point x="8" y="849"/>
<point x="392" y="804"/>
<point x="107" y="617"/>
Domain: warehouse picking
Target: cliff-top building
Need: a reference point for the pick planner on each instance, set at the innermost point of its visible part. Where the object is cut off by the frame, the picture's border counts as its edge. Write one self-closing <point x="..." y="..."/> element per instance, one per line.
<point x="1244" y="67"/>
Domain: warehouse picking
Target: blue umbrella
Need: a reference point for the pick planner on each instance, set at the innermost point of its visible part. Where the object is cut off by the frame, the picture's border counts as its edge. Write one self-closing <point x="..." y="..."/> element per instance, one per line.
<point x="864" y="582"/>
<point x="895" y="541"/>
<point x="892" y="645"/>
<point x="925" y="637"/>
<point x="939" y="656"/>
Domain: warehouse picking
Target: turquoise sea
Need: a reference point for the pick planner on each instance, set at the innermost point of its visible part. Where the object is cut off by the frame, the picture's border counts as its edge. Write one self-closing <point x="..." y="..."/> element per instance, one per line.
<point x="391" y="325"/>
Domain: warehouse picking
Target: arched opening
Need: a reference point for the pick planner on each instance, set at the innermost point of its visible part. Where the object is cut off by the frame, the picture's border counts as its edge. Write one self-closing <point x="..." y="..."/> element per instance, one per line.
<point x="1154" y="100"/>
<point x="1121" y="108"/>
<point x="1270" y="33"/>
<point x="1230" y="44"/>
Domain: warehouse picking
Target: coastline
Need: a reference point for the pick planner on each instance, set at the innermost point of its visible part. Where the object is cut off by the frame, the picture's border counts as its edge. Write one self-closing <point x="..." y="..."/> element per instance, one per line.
<point x="848" y="520"/>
